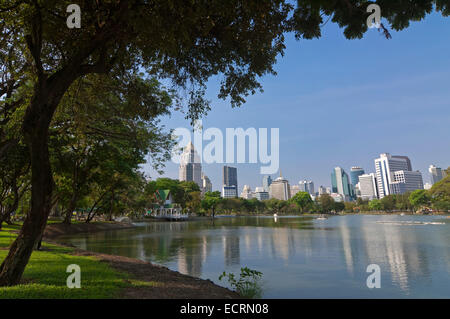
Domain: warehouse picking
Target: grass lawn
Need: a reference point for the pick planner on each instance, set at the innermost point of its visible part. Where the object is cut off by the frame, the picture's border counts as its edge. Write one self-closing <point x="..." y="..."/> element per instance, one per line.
<point x="45" y="275"/>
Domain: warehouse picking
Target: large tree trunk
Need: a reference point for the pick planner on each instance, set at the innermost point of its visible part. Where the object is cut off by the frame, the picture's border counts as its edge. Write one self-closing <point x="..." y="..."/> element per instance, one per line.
<point x="13" y="266"/>
<point x="35" y="129"/>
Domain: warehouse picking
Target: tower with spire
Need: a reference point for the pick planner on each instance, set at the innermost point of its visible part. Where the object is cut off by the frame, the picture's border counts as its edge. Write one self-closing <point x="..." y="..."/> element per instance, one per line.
<point x="190" y="166"/>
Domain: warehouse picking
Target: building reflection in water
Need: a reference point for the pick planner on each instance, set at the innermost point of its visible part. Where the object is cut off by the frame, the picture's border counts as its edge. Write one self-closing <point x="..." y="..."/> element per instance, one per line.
<point x="231" y="250"/>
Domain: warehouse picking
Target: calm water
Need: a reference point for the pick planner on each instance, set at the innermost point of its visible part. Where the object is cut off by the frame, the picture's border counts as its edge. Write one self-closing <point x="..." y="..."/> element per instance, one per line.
<point x="299" y="257"/>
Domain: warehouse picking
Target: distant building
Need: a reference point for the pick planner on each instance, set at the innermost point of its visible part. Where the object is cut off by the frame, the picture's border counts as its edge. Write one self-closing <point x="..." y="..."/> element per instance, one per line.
<point x="267" y="180"/>
<point x="341" y="184"/>
<point x="356" y="191"/>
<point x="427" y="186"/>
<point x="337" y="197"/>
<point x="280" y="189"/>
<point x="406" y="181"/>
<point x="323" y="190"/>
<point x="190" y="167"/>
<point x="355" y="172"/>
<point x="385" y="166"/>
<point x="436" y="174"/>
<point x="307" y="186"/>
<point x="294" y="190"/>
<point x="229" y="192"/>
<point x="206" y="183"/>
<point x="229" y="178"/>
<point x="368" y="186"/>
<point x="261" y="194"/>
<point x="247" y="192"/>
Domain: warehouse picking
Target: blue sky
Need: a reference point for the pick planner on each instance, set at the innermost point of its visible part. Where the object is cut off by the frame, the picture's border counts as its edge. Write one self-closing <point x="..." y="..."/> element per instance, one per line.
<point x="342" y="102"/>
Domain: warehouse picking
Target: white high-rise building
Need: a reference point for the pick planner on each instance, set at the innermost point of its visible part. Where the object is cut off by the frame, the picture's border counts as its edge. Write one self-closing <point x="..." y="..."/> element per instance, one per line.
<point x="435" y="173"/>
<point x="385" y="166"/>
<point x="190" y="166"/>
<point x="206" y="183"/>
<point x="247" y="192"/>
<point x="368" y="186"/>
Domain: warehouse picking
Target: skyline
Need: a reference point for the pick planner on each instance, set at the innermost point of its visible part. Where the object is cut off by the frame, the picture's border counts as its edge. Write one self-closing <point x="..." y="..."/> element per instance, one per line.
<point x="350" y="179"/>
<point x="338" y="111"/>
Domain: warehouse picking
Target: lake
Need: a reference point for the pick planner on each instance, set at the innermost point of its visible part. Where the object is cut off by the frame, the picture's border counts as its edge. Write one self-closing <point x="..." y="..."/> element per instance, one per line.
<point x="300" y="257"/>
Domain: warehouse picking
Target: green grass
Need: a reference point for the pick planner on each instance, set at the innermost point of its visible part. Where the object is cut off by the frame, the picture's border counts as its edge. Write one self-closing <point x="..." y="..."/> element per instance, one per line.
<point x="45" y="275"/>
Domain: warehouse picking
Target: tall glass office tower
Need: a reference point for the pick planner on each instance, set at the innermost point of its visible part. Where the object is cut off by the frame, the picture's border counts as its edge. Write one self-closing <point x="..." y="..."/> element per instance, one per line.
<point x="435" y="173"/>
<point x="355" y="172"/>
<point x="230" y="177"/>
<point x="341" y="184"/>
<point x="267" y="180"/>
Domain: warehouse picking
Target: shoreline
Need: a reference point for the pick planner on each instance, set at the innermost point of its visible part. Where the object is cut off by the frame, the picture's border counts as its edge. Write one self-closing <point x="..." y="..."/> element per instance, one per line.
<point x="163" y="283"/>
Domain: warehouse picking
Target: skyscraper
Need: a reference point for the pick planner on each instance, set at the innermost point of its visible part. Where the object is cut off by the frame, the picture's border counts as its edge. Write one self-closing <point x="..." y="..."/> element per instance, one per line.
<point x="280" y="189"/>
<point x="267" y="180"/>
<point x="206" y="183"/>
<point x="386" y="166"/>
<point x="341" y="184"/>
<point x="229" y="178"/>
<point x="368" y="186"/>
<point x="355" y="172"/>
<point x="190" y="166"/>
<point x="247" y="192"/>
<point x="435" y="173"/>
<point x="307" y="186"/>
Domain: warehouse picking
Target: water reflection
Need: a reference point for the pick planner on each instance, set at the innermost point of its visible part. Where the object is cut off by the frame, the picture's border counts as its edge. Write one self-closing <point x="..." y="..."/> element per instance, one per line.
<point x="299" y="257"/>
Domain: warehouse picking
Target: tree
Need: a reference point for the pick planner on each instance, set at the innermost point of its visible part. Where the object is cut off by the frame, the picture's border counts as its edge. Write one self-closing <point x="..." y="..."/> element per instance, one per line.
<point x="388" y="203"/>
<point x="339" y="206"/>
<point x="190" y="194"/>
<point x="276" y="205"/>
<point x="14" y="180"/>
<point x="419" y="198"/>
<point x="440" y="193"/>
<point x="195" y="201"/>
<point x="102" y="119"/>
<point x="210" y="202"/>
<point x="238" y="39"/>
<point x="375" y="204"/>
<point x="302" y="200"/>
<point x="402" y="202"/>
<point x="326" y="203"/>
<point x="351" y="207"/>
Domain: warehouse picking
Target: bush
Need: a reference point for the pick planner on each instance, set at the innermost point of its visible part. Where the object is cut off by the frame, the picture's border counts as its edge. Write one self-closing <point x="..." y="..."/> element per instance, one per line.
<point x="248" y="285"/>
